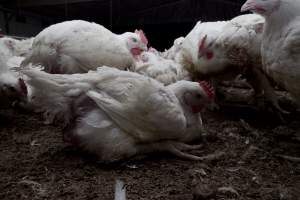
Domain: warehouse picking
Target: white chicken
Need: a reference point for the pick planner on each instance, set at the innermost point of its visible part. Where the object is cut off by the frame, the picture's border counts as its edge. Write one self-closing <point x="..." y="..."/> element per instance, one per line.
<point x="222" y="50"/>
<point x="174" y="50"/>
<point x="118" y="114"/>
<point x="79" y="46"/>
<point x="163" y="70"/>
<point x="191" y="45"/>
<point x="281" y="41"/>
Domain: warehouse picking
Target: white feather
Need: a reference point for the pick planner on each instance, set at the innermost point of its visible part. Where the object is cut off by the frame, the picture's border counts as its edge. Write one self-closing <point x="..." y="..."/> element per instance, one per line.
<point x="120" y="191"/>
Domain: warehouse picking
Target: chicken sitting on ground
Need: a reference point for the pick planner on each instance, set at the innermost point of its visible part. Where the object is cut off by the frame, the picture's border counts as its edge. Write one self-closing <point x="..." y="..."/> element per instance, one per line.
<point x="281" y="41"/>
<point x="79" y="46"/>
<point x="222" y="50"/>
<point x="163" y="70"/>
<point x="118" y="114"/>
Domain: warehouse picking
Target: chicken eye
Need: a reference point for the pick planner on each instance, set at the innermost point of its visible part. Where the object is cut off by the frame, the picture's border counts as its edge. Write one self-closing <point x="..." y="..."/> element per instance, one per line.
<point x="134" y="40"/>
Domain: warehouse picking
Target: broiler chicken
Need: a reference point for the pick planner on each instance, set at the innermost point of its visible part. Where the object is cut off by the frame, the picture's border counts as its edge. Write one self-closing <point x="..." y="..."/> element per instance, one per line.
<point x="163" y="70"/>
<point x="118" y="114"/>
<point x="281" y="41"/>
<point x="222" y="50"/>
<point x="79" y="46"/>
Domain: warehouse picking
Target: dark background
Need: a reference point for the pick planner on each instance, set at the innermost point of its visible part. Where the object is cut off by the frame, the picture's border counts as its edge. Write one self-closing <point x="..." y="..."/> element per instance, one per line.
<point x="162" y="20"/>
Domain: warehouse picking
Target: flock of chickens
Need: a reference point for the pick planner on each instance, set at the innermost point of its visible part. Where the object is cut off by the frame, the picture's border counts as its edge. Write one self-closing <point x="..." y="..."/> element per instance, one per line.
<point x="117" y="97"/>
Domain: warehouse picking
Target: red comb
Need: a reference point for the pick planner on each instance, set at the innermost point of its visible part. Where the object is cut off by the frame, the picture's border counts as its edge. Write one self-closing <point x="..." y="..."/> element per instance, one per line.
<point x="203" y="51"/>
<point x="142" y="36"/>
<point x="208" y="89"/>
<point x="202" y="43"/>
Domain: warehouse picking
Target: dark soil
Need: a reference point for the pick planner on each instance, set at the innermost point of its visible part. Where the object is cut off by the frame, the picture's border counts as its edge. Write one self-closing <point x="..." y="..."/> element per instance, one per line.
<point x="36" y="164"/>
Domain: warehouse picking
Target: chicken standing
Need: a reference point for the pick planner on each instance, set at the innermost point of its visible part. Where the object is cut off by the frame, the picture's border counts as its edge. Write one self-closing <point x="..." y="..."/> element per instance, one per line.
<point x="163" y="70"/>
<point x="79" y="46"/>
<point x="222" y="50"/>
<point x="117" y="114"/>
<point x="281" y="41"/>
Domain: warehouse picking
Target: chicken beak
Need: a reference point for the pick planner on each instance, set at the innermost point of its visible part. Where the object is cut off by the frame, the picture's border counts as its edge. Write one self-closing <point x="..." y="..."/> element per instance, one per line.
<point x="248" y="6"/>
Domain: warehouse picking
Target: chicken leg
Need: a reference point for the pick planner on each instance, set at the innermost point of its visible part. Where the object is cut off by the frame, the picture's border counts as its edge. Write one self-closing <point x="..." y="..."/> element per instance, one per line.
<point x="177" y="148"/>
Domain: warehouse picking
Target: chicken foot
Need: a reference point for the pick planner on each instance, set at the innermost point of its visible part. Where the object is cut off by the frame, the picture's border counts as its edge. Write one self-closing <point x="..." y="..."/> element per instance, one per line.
<point x="186" y="147"/>
<point x="177" y="148"/>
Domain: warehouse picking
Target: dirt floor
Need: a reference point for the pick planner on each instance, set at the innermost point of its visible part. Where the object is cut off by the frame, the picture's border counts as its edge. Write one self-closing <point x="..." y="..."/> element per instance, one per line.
<point x="35" y="164"/>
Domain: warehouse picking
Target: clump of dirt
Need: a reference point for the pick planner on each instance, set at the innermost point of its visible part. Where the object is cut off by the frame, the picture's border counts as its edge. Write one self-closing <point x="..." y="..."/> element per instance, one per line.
<point x="36" y="164"/>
